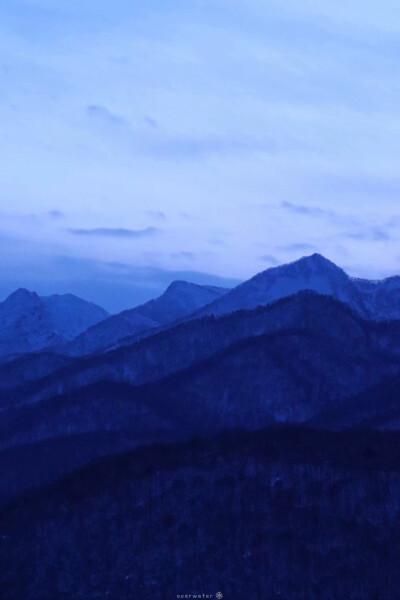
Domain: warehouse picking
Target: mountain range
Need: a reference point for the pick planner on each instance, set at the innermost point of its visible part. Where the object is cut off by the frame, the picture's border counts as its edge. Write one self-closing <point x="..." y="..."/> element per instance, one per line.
<point x="72" y="327"/>
<point x="133" y="445"/>
<point x="376" y="300"/>
<point x="179" y="300"/>
<point x="301" y="343"/>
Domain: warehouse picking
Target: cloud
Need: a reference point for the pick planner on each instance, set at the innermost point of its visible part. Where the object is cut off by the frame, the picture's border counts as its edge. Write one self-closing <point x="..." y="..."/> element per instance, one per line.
<point x="370" y="234"/>
<point x="55" y="214"/>
<point x="192" y="217"/>
<point x="178" y="123"/>
<point x="156" y="214"/>
<point x="312" y="211"/>
<point x="330" y="215"/>
<point x="152" y="141"/>
<point x="270" y="259"/>
<point x="360" y="231"/>
<point x="217" y="242"/>
<point x="183" y="254"/>
<point x="117" y="285"/>
<point x="298" y="247"/>
<point x="150" y="121"/>
<point x="111" y="128"/>
<point x="103" y="115"/>
<point x="167" y="144"/>
<point x="33" y="218"/>
<point x="194" y="147"/>
<point x="118" y="232"/>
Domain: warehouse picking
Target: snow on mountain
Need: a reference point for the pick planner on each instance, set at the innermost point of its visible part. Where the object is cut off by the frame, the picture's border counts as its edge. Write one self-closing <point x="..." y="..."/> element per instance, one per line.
<point x="72" y="314"/>
<point x="314" y="273"/>
<point x="285" y="362"/>
<point x="382" y="298"/>
<point x="29" y="323"/>
<point x="179" y="300"/>
<point x="377" y="300"/>
<point x="76" y="328"/>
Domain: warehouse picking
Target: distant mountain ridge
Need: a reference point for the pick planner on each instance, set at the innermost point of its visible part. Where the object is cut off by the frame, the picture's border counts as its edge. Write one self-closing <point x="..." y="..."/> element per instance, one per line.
<point x="301" y="344"/>
<point x="373" y="300"/>
<point x="376" y="300"/>
<point x="307" y="358"/>
<point x="300" y="330"/>
<point x="183" y="302"/>
<point x="72" y="327"/>
<point x="29" y="323"/>
<point x="179" y="300"/>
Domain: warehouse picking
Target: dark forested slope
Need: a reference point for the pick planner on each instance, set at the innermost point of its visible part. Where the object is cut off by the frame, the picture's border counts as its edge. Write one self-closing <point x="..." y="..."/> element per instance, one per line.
<point x="281" y="513"/>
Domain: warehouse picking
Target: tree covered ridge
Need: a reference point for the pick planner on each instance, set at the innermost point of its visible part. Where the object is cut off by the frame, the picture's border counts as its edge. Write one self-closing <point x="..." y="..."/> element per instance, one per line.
<point x="280" y="513"/>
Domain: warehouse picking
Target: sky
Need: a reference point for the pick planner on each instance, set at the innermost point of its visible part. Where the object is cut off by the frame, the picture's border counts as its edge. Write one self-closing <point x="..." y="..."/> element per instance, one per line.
<point x="143" y="142"/>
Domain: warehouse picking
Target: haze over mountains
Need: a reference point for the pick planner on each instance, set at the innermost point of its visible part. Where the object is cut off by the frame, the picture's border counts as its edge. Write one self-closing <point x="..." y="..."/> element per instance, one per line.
<point x="185" y="325"/>
<point x="294" y="344"/>
<point x="179" y="300"/>
<point x="73" y="327"/>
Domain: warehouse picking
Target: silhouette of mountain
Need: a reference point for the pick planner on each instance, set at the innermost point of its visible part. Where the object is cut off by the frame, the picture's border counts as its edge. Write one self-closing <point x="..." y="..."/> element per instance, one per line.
<point x="29" y="323"/>
<point x="288" y="362"/>
<point x="301" y="344"/>
<point x="190" y="342"/>
<point x="378" y="300"/>
<point x="72" y="327"/>
<point x="179" y="300"/>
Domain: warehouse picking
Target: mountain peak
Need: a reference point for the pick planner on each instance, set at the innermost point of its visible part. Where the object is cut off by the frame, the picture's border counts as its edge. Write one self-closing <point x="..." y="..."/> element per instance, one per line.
<point x="316" y="257"/>
<point x="179" y="284"/>
<point x="314" y="272"/>
<point x="317" y="260"/>
<point x="20" y="295"/>
<point x="306" y="266"/>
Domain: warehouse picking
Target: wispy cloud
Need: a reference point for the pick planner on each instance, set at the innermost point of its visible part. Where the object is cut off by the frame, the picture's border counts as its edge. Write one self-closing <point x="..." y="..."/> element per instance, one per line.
<point x="312" y="211"/>
<point x="369" y="234"/>
<point x="118" y="232"/>
<point x="216" y="241"/>
<point x="56" y="214"/>
<point x="183" y="254"/>
<point x="150" y="121"/>
<point x="156" y="214"/>
<point x="331" y="216"/>
<point x="298" y="247"/>
<point x="160" y="143"/>
<point x="270" y="259"/>
<point x="109" y="115"/>
<point x="105" y="116"/>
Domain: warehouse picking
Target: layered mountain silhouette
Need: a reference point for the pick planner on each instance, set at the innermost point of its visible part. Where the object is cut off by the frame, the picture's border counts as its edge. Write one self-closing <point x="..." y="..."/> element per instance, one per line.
<point x="72" y="327"/>
<point x="190" y="342"/>
<point x="133" y="445"/>
<point x="294" y="361"/>
<point x="379" y="300"/>
<point x="301" y="343"/>
<point x="179" y="300"/>
<point x="29" y="323"/>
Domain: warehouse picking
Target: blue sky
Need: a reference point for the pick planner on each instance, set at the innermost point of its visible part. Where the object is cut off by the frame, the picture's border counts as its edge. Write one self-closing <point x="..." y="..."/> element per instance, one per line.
<point x="205" y="140"/>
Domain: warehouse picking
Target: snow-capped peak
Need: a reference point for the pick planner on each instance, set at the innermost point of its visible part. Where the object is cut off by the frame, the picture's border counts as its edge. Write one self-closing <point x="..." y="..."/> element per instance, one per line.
<point x="314" y="272"/>
<point x="29" y="322"/>
<point x="21" y="295"/>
